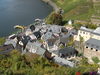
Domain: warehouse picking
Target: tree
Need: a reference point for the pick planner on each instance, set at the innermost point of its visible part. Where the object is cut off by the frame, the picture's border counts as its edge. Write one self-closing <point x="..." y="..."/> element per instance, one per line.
<point x="55" y="18"/>
<point x="2" y="40"/>
<point x="91" y="26"/>
<point x="81" y="45"/>
<point x="95" y="60"/>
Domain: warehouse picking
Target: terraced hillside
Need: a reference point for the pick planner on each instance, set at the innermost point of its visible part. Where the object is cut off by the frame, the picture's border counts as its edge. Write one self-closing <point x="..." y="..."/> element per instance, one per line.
<point x="79" y="9"/>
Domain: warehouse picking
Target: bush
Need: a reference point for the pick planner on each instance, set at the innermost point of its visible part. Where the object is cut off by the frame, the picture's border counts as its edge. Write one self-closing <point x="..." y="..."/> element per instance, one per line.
<point x="54" y="18"/>
<point x="2" y="40"/>
<point x="95" y="60"/>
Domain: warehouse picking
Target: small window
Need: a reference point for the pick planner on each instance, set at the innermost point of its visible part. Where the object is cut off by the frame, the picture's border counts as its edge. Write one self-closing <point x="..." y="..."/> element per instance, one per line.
<point x="91" y="48"/>
<point x="80" y="31"/>
<point x="86" y="47"/>
<point x="83" y="32"/>
<point x="96" y="49"/>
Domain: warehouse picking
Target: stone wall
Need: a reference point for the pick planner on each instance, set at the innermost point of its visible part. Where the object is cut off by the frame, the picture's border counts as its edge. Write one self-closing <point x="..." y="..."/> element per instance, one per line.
<point x="88" y="53"/>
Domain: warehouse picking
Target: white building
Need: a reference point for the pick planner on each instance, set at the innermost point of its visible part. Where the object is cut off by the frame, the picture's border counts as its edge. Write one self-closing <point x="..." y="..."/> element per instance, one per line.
<point x="91" y="42"/>
<point x="87" y="34"/>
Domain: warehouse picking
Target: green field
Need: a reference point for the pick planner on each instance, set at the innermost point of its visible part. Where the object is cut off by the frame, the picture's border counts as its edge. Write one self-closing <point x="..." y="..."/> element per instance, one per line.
<point x="77" y="9"/>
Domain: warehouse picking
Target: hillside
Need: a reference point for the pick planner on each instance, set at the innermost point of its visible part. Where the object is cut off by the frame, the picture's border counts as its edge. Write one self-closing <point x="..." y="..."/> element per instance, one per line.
<point x="79" y="9"/>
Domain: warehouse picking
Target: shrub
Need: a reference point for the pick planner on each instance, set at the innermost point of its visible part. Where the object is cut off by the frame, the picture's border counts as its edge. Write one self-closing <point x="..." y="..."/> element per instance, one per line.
<point x="2" y="40"/>
<point x="95" y="60"/>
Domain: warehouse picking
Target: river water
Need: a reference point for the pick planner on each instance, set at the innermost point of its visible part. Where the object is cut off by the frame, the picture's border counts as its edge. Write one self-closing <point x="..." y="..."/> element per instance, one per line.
<point x="22" y="12"/>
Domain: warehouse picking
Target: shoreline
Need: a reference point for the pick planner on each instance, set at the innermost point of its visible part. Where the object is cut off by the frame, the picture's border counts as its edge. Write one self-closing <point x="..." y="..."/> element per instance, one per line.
<point x="52" y="4"/>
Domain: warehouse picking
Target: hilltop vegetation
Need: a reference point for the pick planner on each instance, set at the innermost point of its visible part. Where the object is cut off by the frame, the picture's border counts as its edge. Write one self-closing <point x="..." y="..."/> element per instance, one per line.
<point x="14" y="63"/>
<point x="76" y="9"/>
<point x="33" y="64"/>
<point x="2" y="40"/>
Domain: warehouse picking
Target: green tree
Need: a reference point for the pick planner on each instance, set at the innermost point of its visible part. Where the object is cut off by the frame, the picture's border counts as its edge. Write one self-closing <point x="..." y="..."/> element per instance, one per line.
<point x="95" y="60"/>
<point x="55" y="18"/>
<point x="81" y="45"/>
<point x="2" y="40"/>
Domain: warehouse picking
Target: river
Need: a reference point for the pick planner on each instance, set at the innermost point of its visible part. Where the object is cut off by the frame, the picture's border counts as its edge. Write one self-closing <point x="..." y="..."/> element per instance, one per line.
<point x="22" y="12"/>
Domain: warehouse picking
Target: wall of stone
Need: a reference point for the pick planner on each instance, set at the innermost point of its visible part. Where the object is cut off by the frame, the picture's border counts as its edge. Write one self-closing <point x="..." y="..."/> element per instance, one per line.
<point x="88" y="53"/>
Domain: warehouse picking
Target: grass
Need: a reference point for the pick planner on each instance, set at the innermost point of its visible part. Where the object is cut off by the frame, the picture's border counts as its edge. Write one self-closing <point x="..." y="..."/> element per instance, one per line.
<point x="77" y="9"/>
<point x="2" y="40"/>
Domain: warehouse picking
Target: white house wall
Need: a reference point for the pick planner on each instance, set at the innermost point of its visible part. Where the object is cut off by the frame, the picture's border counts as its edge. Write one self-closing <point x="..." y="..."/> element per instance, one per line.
<point x="86" y="35"/>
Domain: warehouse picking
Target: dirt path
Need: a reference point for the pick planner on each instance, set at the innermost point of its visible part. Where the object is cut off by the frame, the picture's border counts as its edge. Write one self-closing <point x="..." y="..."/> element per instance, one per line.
<point x="55" y="7"/>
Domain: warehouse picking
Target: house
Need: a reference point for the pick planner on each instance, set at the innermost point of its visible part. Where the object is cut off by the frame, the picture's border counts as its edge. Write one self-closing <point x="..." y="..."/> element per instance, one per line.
<point x="6" y="47"/>
<point x="64" y="38"/>
<point x="92" y="49"/>
<point x="63" y="62"/>
<point x="11" y="41"/>
<point x="52" y="44"/>
<point x="69" y="27"/>
<point x="83" y="32"/>
<point x="87" y="34"/>
<point x="70" y="22"/>
<point x="37" y="34"/>
<point x="55" y="29"/>
<point x="35" y="48"/>
<point x="28" y="32"/>
<point x="32" y="27"/>
<point x="65" y="52"/>
<point x="91" y="41"/>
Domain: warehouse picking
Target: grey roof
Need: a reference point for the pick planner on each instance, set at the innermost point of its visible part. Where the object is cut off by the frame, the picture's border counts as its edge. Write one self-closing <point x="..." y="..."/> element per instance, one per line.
<point x="55" y="28"/>
<point x="48" y="35"/>
<point x="93" y="43"/>
<point x="64" y="50"/>
<point x="86" y="29"/>
<point x="96" y="31"/>
<point x="63" y="62"/>
<point x="64" y="37"/>
<point x="8" y="41"/>
<point x="36" y="46"/>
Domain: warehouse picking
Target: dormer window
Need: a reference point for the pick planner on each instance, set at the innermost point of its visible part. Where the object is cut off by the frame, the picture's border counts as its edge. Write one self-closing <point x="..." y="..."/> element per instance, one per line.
<point x="91" y="48"/>
<point x="83" y="32"/>
<point x="86" y="47"/>
<point x="96" y="49"/>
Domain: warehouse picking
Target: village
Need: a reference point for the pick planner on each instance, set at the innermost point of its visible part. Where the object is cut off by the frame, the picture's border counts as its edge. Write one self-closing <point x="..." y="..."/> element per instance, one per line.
<point x="52" y="42"/>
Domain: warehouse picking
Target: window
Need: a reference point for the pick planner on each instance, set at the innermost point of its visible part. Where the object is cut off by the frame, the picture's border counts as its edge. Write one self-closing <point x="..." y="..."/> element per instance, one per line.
<point x="91" y="48"/>
<point x="80" y="31"/>
<point x="96" y="49"/>
<point x="83" y="32"/>
<point x="86" y="47"/>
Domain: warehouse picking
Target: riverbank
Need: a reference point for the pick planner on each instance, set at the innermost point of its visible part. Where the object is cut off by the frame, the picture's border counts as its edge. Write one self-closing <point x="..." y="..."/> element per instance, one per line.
<point x="52" y="4"/>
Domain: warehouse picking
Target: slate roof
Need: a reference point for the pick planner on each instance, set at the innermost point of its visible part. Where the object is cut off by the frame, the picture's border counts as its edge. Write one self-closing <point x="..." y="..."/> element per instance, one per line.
<point x="65" y="51"/>
<point x="55" y="28"/>
<point x="86" y="29"/>
<point x="8" y="41"/>
<point x="48" y="35"/>
<point x="37" y="34"/>
<point x="64" y="37"/>
<point x="36" y="46"/>
<point x="96" y="31"/>
<point x="93" y="43"/>
<point x="63" y="61"/>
